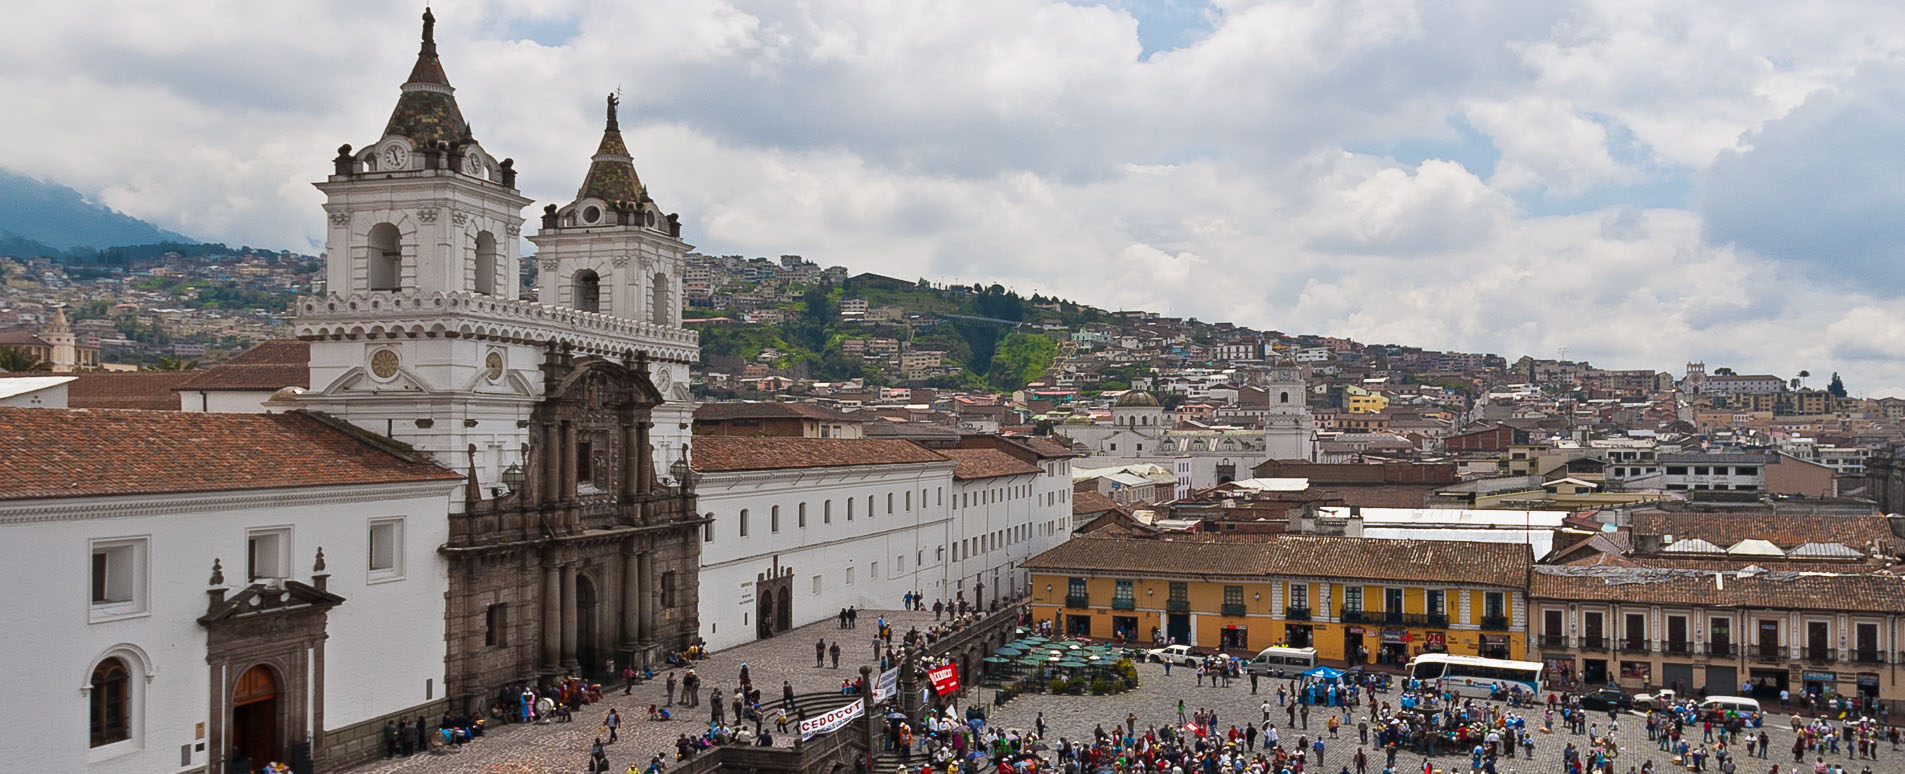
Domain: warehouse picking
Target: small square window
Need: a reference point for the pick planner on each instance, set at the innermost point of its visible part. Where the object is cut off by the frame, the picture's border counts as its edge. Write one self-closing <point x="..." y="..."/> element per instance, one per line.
<point x="268" y="553"/>
<point x="386" y="549"/>
<point x="118" y="582"/>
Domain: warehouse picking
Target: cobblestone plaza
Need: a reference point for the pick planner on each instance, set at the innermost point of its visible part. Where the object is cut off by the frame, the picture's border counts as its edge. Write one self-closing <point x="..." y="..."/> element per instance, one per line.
<point x="565" y="746"/>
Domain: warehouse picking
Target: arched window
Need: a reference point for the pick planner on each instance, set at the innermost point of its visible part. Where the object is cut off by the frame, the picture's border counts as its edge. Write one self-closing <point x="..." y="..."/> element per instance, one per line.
<point x="588" y="291"/>
<point x="1284" y="397"/>
<point x="386" y="257"/>
<point x="111" y="703"/>
<point x="774" y="519"/>
<point x="659" y="312"/>
<point x="743" y="521"/>
<point x="485" y="263"/>
<point x="849" y="509"/>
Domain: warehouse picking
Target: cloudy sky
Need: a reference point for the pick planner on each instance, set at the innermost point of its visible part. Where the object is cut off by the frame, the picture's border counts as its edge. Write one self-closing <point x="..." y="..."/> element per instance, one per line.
<point x="1636" y="183"/>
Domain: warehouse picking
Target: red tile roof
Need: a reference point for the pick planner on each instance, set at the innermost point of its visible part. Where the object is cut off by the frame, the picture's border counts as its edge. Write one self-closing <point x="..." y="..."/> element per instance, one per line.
<point x="270" y="365"/>
<point x="151" y="390"/>
<point x="714" y="412"/>
<point x="75" y="453"/>
<point x="986" y="463"/>
<point x="727" y="453"/>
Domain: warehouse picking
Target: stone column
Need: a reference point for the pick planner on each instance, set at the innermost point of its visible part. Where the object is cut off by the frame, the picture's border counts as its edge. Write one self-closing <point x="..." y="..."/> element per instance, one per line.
<point x="630" y="618"/>
<point x="631" y="459"/>
<point x="568" y="618"/>
<point x="568" y="460"/>
<point x="551" y="464"/>
<point x="551" y="618"/>
<point x="645" y="601"/>
<point x="644" y="458"/>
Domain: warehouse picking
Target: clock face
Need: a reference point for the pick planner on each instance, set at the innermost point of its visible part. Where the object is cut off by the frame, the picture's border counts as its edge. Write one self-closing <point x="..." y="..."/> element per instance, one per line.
<point x="1284" y="375"/>
<point x="396" y="157"/>
<point x="494" y="365"/>
<point x="383" y="364"/>
<point x="473" y="165"/>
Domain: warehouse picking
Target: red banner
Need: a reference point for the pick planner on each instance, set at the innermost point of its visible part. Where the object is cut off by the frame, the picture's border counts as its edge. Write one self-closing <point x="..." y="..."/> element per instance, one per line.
<point x="945" y="679"/>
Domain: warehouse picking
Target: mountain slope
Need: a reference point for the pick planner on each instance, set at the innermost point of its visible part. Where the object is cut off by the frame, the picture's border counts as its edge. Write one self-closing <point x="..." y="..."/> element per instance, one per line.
<point x="57" y="219"/>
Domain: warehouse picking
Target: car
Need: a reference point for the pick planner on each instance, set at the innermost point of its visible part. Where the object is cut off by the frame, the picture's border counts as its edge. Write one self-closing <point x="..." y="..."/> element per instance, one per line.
<point x="1649" y="701"/>
<point x="1606" y="699"/>
<point x="1176" y="654"/>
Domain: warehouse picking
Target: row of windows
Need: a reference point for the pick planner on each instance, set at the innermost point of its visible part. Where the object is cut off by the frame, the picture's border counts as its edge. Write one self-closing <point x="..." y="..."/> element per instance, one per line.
<point x="120" y="566"/>
<point x="1299" y="596"/>
<point x="1712" y="470"/>
<point x="744" y="519"/>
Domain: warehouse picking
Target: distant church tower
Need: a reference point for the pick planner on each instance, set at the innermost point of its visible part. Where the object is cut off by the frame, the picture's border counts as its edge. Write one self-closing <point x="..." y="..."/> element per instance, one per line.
<point x="1289" y="431"/>
<point x="62" y="344"/>
<point x="423" y="335"/>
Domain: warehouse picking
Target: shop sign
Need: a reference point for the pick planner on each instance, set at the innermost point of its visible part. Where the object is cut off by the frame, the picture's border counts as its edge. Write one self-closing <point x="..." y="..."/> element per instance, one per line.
<point x="1392" y="635"/>
<point x="1824" y="677"/>
<point x="1435" y="639"/>
<point x="1868" y="681"/>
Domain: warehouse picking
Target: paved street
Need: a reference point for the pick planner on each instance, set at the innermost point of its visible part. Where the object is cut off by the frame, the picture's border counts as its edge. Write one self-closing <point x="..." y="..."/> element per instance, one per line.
<point x="564" y="747"/>
<point x="1155" y="699"/>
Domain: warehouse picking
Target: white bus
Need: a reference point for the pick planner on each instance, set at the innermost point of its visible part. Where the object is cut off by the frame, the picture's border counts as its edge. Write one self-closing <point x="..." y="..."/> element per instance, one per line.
<point x="1473" y="676"/>
<point x="1290" y="660"/>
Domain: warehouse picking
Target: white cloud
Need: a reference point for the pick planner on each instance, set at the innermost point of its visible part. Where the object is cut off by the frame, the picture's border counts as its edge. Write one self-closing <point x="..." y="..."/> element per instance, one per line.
<point x="1300" y="166"/>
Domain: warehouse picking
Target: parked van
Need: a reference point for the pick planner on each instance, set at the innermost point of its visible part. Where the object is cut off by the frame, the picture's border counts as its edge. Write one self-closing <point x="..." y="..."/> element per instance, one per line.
<point x="1290" y="660"/>
<point x="1746" y="707"/>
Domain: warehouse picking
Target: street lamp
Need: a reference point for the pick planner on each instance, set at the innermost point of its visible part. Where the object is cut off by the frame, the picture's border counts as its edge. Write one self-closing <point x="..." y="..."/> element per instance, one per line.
<point x="513" y="477"/>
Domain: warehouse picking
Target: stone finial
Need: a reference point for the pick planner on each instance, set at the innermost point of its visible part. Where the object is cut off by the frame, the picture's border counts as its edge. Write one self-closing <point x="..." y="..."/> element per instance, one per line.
<point x="319" y="566"/>
<point x="218" y="573"/>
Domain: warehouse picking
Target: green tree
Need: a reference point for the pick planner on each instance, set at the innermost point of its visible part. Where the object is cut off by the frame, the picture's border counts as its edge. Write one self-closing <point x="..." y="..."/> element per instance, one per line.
<point x="169" y="363"/>
<point x="18" y="360"/>
<point x="1021" y="358"/>
<point x="1836" y="386"/>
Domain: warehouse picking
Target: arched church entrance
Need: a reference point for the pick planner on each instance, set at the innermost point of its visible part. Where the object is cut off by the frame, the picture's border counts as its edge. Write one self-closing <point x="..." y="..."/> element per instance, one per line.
<point x="773" y="600"/>
<point x="255" y="719"/>
<point x="588" y="638"/>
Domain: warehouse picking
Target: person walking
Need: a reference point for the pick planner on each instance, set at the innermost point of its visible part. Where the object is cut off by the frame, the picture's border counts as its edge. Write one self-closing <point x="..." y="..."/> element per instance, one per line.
<point x="714" y="707"/>
<point x="598" y="758"/>
<point x="628" y="680"/>
<point x="612" y="722"/>
<point x="787" y="695"/>
<point x="835" y="652"/>
<point x="670" y="686"/>
<point x="820" y="649"/>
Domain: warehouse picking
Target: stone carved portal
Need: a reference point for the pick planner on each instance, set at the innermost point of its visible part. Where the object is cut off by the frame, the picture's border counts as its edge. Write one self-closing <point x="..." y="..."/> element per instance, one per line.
<point x="773" y="600"/>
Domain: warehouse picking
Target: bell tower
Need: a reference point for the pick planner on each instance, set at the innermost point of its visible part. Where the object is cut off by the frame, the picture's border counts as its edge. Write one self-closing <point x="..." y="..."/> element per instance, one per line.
<point x="423" y="335"/>
<point x="613" y="252"/>
<point x="1289" y="432"/>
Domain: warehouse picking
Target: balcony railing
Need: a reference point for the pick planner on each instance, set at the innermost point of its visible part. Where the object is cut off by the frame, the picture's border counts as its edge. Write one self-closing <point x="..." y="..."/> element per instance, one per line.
<point x="1233" y="608"/>
<point x="1077" y="600"/>
<point x="1769" y="653"/>
<point x="1634" y="646"/>
<point x="1296" y="613"/>
<point x="1124" y="604"/>
<point x="1178" y="605"/>
<point x="1593" y="643"/>
<point x="1357" y="616"/>
<point x="1676" y="648"/>
<point x="1819" y="655"/>
<point x="1495" y="622"/>
<point x="1721" y="649"/>
<point x="1867" y="656"/>
<point x="1554" y="641"/>
<point x="1431" y="620"/>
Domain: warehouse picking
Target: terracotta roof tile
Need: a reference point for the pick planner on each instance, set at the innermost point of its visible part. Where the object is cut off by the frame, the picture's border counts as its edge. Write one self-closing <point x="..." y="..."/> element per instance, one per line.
<point x="766" y="410"/>
<point x="1786" y="530"/>
<point x="270" y="365"/>
<point x="74" y="453"/>
<point x="1492" y="564"/>
<point x="1787" y="590"/>
<point x="724" y="453"/>
<point x="987" y="463"/>
<point x="1091" y="502"/>
<point x="149" y="390"/>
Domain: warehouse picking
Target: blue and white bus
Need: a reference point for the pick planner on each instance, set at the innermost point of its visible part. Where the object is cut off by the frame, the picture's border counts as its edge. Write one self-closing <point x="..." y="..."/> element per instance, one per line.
<point x="1474" y="676"/>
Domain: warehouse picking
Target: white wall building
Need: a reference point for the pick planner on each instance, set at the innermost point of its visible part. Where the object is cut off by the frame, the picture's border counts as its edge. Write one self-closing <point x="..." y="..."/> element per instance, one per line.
<point x="804" y="527"/>
<point x="135" y="664"/>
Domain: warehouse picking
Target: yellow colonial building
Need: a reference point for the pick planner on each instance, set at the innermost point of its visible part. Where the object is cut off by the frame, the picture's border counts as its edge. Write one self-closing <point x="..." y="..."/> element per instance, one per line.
<point x="1356" y="600"/>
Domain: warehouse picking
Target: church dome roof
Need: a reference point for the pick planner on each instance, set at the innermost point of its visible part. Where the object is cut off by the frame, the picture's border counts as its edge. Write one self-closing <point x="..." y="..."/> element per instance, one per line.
<point x="1136" y="399"/>
<point x="427" y="112"/>
<point x="612" y="175"/>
